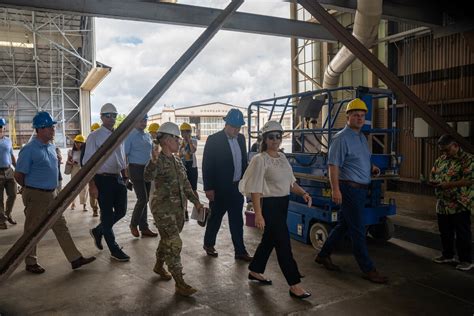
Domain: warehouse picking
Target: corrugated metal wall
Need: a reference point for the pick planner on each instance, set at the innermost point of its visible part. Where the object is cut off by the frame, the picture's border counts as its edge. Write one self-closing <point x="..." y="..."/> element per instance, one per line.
<point x="441" y="72"/>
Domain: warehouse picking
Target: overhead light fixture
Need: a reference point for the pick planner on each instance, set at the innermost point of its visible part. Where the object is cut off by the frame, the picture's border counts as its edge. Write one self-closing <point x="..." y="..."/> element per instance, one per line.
<point x="16" y="44"/>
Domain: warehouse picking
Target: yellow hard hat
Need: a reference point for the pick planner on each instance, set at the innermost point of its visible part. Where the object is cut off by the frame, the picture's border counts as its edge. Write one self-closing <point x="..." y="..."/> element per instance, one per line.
<point x="356" y="104"/>
<point x="154" y="127"/>
<point x="79" y="139"/>
<point x="95" y="126"/>
<point x="185" y="127"/>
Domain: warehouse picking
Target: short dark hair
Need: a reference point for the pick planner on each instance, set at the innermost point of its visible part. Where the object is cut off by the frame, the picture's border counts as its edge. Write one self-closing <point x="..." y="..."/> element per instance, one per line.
<point x="446" y="140"/>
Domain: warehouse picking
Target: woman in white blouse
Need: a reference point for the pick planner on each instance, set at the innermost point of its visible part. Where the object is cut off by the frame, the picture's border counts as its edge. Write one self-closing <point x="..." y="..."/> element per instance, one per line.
<point x="269" y="180"/>
<point x="74" y="159"/>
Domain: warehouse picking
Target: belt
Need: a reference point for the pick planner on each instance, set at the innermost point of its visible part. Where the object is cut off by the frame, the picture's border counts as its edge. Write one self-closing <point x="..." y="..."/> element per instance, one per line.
<point x="136" y="165"/>
<point x="38" y="189"/>
<point x="105" y="174"/>
<point x="355" y="184"/>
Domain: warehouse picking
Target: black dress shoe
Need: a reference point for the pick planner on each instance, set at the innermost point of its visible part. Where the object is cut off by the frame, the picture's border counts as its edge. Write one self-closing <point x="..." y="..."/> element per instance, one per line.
<point x="11" y="220"/>
<point x="97" y="238"/>
<point x="211" y="251"/>
<point x="302" y="296"/>
<point x="245" y="257"/>
<point x="35" y="268"/>
<point x="81" y="261"/>
<point x="262" y="281"/>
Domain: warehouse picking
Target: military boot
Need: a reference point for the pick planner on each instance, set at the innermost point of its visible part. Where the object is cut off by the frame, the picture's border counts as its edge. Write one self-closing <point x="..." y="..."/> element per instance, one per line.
<point x="181" y="287"/>
<point x="161" y="271"/>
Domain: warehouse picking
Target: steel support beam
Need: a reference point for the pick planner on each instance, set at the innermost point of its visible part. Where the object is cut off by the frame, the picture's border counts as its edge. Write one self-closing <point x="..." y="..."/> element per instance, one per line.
<point x="27" y="241"/>
<point x="179" y="14"/>
<point x="379" y="69"/>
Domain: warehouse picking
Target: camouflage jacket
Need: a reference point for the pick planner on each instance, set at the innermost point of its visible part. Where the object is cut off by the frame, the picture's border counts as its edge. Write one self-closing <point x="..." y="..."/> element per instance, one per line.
<point x="171" y="183"/>
<point x="449" y="169"/>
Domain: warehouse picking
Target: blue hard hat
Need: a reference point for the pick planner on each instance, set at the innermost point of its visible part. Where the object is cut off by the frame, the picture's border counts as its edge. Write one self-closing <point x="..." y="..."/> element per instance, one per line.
<point x="2" y="121"/>
<point x="235" y="118"/>
<point x="43" y="119"/>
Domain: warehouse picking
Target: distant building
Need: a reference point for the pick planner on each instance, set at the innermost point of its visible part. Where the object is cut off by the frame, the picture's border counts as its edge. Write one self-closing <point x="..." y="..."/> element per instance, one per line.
<point x="207" y="119"/>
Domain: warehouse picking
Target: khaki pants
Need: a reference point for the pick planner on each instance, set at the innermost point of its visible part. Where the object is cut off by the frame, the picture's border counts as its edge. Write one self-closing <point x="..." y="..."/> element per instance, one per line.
<point x="84" y="192"/>
<point x="36" y="203"/>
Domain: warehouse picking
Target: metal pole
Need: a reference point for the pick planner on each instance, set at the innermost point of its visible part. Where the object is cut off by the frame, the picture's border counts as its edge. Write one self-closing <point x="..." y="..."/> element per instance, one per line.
<point x="27" y="241"/>
<point x="377" y="67"/>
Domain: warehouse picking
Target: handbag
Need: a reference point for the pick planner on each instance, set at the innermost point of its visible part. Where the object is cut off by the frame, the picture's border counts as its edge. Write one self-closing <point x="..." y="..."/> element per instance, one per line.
<point x="68" y="168"/>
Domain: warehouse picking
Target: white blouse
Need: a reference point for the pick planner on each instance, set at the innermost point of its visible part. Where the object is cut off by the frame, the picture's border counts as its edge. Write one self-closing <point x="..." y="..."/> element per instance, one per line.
<point x="272" y="177"/>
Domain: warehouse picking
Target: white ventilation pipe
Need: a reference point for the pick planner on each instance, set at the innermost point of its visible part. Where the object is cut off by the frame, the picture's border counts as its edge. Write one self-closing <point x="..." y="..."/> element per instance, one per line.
<point x="366" y="25"/>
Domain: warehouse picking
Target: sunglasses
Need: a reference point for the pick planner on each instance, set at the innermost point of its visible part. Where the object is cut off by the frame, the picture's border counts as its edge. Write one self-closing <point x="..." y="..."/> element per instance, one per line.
<point x="110" y="115"/>
<point x="274" y="136"/>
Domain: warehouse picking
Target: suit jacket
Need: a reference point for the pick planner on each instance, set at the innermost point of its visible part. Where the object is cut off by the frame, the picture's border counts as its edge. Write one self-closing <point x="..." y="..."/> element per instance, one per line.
<point x="218" y="165"/>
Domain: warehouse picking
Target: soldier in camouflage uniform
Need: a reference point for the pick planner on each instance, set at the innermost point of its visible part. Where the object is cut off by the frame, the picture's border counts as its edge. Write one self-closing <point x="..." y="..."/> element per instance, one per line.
<point x="453" y="179"/>
<point x="167" y="206"/>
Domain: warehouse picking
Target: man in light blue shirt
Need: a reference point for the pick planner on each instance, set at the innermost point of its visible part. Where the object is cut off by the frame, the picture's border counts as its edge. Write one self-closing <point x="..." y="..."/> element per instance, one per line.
<point x="349" y="174"/>
<point x="37" y="172"/>
<point x="138" y="146"/>
<point x="7" y="182"/>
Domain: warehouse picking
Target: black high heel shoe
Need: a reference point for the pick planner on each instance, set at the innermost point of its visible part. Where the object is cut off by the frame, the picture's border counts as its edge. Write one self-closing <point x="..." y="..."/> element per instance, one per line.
<point x="262" y="281"/>
<point x="302" y="296"/>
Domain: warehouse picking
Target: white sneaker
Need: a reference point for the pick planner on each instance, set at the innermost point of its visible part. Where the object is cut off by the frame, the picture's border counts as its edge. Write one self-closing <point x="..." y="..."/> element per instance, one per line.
<point x="443" y="259"/>
<point x="465" y="266"/>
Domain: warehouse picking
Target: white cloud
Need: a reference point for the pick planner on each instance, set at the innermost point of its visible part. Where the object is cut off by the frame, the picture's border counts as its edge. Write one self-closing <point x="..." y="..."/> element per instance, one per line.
<point x="235" y="68"/>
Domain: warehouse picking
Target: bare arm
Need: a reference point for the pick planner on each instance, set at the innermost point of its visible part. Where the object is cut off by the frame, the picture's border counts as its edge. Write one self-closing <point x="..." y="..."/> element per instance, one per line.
<point x="334" y="180"/>
<point x="20" y="178"/>
<point x="257" y="207"/>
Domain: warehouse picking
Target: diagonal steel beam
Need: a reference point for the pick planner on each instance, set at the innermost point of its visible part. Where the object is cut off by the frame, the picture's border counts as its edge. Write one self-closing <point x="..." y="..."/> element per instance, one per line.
<point x="378" y="68"/>
<point x="27" y="241"/>
<point x="179" y="14"/>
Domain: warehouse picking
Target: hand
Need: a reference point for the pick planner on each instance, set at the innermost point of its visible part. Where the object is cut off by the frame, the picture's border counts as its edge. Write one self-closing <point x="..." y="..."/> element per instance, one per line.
<point x="307" y="198"/>
<point x="210" y="195"/>
<point x="93" y="191"/>
<point x="198" y="206"/>
<point x="375" y="171"/>
<point x="259" y="221"/>
<point x="337" y="196"/>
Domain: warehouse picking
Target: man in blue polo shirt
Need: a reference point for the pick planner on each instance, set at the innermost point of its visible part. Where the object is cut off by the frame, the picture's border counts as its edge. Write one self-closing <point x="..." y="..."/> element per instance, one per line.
<point x="349" y="174"/>
<point x="138" y="146"/>
<point x="7" y="182"/>
<point x="37" y="172"/>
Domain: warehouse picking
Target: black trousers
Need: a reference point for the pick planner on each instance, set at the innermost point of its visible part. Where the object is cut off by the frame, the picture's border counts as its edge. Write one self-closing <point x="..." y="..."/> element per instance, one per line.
<point x="276" y="235"/>
<point x="456" y="229"/>
<point x="142" y="190"/>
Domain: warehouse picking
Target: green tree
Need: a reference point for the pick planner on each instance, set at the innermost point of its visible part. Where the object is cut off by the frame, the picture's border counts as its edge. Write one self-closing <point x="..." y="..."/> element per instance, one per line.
<point x="119" y="120"/>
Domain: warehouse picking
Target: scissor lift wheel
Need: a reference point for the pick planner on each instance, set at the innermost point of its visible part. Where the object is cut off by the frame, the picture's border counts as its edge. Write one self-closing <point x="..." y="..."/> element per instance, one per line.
<point x="383" y="231"/>
<point x="318" y="234"/>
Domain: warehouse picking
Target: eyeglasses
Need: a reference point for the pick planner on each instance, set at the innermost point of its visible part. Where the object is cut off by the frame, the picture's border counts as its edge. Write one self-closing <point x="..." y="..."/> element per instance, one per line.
<point x="110" y="115"/>
<point x="274" y="136"/>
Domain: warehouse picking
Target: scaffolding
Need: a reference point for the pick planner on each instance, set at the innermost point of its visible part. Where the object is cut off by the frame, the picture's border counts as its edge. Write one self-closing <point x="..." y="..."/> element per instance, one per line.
<point x="44" y="58"/>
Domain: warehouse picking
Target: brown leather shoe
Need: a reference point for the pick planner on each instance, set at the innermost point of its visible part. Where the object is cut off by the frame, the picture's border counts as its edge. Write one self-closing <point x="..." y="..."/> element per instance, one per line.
<point x="327" y="263"/>
<point x="211" y="251"/>
<point x="81" y="261"/>
<point x="245" y="257"/>
<point x="134" y="231"/>
<point x="35" y="268"/>
<point x="375" y="277"/>
<point x="148" y="233"/>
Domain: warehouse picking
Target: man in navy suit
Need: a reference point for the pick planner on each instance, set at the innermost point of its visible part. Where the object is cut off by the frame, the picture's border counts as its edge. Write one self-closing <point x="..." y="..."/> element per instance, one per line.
<point x="224" y="163"/>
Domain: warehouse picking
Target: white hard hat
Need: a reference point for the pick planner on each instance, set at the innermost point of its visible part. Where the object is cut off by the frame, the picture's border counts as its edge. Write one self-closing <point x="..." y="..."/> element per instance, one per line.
<point x="108" y="108"/>
<point x="272" y="126"/>
<point x="169" y="128"/>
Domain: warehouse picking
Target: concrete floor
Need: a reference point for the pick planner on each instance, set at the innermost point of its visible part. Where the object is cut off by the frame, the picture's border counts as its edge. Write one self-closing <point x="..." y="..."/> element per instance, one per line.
<point x="109" y="288"/>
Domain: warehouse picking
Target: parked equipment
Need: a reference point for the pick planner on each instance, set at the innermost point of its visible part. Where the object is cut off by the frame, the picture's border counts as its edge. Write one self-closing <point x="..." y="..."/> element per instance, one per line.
<point x="309" y="158"/>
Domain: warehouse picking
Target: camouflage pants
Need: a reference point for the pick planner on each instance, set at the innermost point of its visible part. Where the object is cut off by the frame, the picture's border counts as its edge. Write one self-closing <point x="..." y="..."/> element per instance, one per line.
<point x="169" y="249"/>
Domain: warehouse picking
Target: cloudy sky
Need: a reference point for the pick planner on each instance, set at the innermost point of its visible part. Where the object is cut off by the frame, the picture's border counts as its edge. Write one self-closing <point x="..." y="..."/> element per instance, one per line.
<point x="234" y="68"/>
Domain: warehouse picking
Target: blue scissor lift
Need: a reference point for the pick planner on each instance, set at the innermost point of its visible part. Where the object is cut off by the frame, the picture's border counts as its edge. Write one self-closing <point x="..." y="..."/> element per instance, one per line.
<point x="313" y="224"/>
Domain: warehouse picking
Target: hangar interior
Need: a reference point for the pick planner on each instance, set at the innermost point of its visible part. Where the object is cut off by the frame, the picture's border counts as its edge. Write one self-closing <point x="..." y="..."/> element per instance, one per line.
<point x="47" y="62"/>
